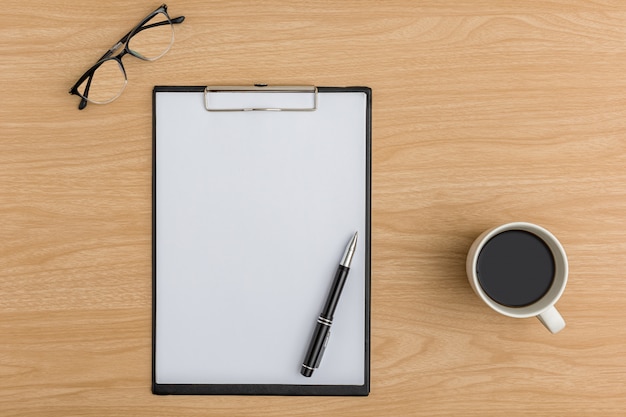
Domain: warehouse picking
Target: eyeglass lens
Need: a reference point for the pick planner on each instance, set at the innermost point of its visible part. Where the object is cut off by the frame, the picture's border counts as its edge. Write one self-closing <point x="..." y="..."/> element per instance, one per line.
<point x="149" y="42"/>
<point x="153" y="39"/>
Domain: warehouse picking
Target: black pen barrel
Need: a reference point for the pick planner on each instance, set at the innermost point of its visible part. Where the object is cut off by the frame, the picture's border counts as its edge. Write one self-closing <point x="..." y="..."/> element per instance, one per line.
<point x="335" y="292"/>
<point x="322" y="329"/>
<point x="316" y="349"/>
<point x="325" y="320"/>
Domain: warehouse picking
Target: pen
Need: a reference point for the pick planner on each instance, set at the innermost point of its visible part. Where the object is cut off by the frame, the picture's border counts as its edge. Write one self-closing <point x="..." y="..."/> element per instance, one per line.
<point x="325" y="320"/>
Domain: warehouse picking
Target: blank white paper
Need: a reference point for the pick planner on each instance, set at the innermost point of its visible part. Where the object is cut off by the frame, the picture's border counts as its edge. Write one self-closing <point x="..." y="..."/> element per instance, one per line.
<point x="253" y="213"/>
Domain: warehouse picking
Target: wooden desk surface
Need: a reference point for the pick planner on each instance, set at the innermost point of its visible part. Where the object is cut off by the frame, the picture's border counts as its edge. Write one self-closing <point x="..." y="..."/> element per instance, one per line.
<point x="484" y="112"/>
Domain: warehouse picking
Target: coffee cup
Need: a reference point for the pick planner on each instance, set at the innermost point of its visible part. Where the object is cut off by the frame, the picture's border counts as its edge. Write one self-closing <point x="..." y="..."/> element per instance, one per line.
<point x="520" y="270"/>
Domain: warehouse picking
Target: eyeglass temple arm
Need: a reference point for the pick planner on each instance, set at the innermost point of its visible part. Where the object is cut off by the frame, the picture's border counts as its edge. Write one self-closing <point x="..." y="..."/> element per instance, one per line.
<point x="83" y="101"/>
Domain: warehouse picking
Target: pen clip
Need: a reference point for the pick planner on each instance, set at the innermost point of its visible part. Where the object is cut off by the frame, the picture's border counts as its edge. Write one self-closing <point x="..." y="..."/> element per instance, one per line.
<point x="319" y="357"/>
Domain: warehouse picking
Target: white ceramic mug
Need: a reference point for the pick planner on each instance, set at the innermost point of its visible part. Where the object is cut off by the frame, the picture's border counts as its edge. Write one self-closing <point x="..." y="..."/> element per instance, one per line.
<point x="543" y="308"/>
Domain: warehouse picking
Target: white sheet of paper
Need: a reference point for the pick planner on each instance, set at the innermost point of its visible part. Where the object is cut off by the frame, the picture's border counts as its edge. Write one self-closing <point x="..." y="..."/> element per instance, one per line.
<point x="253" y="213"/>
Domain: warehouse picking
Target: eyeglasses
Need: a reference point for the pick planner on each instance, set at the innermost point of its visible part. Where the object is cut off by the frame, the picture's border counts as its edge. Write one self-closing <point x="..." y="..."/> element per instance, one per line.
<point x="149" y="41"/>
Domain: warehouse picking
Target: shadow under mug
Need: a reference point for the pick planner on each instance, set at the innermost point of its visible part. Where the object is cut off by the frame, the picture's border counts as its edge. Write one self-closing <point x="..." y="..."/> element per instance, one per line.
<point x="542" y="308"/>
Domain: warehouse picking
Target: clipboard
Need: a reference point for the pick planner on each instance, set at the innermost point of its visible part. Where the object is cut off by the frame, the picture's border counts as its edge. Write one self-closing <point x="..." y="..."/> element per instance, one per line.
<point x="256" y="192"/>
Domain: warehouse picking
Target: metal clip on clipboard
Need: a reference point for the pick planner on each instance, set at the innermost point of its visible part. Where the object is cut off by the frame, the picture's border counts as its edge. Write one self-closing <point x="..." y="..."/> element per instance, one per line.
<point x="260" y="97"/>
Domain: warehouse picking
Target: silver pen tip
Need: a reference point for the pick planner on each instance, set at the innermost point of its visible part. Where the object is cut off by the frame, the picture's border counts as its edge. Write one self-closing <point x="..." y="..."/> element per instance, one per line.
<point x="349" y="253"/>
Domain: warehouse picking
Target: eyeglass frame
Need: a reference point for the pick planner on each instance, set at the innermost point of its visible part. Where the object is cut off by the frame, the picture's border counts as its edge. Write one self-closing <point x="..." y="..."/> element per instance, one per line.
<point x="118" y="58"/>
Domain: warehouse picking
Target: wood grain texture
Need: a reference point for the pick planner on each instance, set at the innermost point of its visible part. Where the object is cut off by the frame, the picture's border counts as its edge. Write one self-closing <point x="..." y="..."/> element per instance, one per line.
<point x="484" y="112"/>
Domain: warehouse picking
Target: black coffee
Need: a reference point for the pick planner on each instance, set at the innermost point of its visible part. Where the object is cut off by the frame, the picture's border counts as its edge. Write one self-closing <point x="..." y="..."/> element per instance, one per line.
<point x="515" y="268"/>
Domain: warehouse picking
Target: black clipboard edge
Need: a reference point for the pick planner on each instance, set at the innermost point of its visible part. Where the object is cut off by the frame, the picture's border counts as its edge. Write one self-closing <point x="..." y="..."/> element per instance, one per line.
<point x="271" y="389"/>
<point x="260" y="389"/>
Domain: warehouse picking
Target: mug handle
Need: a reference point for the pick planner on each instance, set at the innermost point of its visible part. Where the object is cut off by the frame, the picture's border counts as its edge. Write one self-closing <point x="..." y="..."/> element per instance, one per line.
<point x="552" y="320"/>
